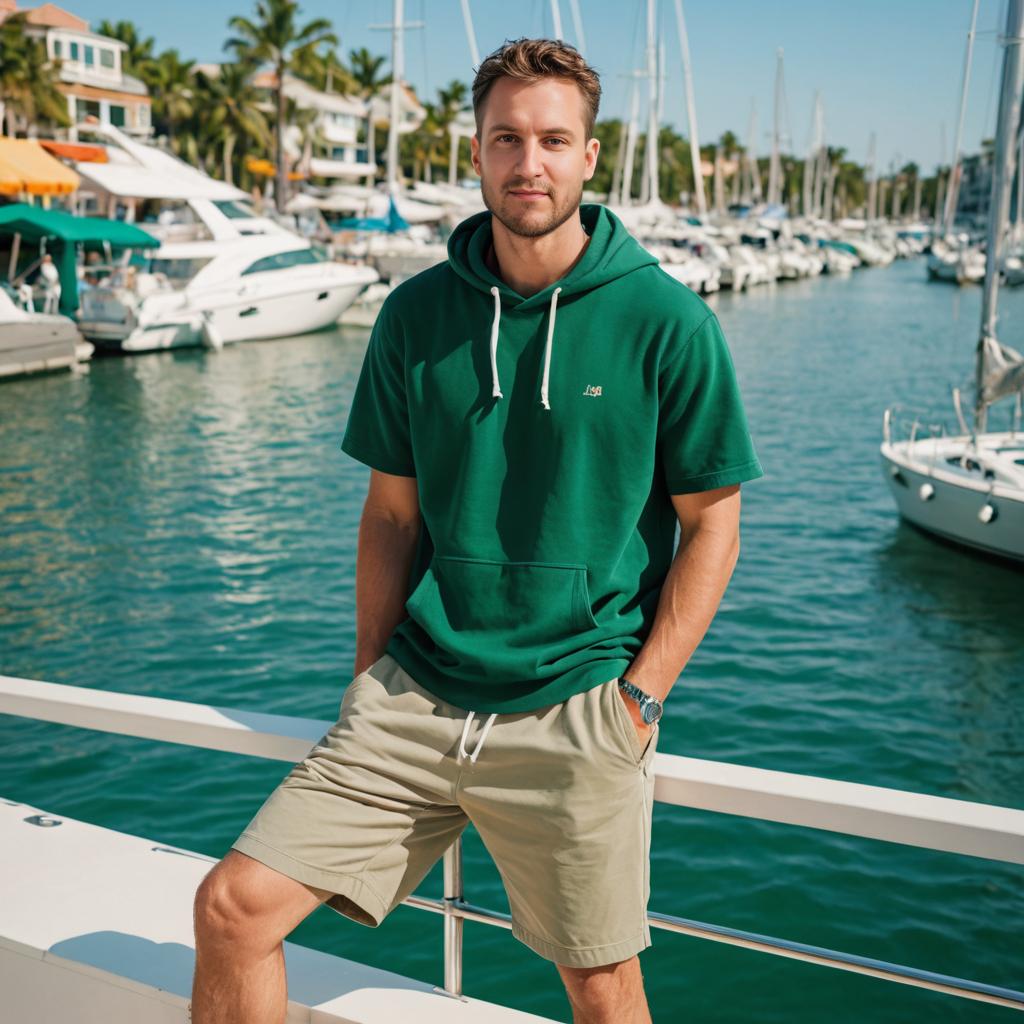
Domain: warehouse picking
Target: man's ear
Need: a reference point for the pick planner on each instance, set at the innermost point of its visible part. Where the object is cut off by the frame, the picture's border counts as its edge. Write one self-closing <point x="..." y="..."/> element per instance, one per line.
<point x="594" y="144"/>
<point x="474" y="151"/>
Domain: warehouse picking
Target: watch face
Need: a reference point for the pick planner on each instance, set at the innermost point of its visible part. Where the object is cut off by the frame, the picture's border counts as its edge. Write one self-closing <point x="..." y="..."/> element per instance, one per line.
<point x="651" y="712"/>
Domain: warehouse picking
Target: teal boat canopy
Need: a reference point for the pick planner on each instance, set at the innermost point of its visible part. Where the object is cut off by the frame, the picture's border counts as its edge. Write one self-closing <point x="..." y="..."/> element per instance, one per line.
<point x="64" y="232"/>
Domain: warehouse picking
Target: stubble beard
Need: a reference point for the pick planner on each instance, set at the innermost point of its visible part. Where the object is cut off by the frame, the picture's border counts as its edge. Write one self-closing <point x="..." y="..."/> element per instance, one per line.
<point x="527" y="224"/>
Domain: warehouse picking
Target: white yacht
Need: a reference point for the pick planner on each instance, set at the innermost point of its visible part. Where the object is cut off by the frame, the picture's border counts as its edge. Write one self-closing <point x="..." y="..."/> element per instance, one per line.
<point x="960" y="263"/>
<point x="33" y="342"/>
<point x="222" y="273"/>
<point x="215" y="293"/>
<point x="969" y="487"/>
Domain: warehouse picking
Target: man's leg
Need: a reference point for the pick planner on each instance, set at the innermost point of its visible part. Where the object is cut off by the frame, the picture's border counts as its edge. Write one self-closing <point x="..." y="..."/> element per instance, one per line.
<point x="355" y="825"/>
<point x="243" y="911"/>
<point x="562" y="799"/>
<point x="610" y="994"/>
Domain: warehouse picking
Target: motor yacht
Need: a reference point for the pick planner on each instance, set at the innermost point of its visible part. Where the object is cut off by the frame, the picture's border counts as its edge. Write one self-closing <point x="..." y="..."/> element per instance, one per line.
<point x="33" y="342"/>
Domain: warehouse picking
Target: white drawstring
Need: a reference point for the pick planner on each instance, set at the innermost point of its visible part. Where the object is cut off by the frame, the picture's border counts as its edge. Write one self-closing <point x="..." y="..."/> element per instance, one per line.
<point x="547" y="349"/>
<point x="496" y="389"/>
<point x="480" y="742"/>
<point x="495" y="323"/>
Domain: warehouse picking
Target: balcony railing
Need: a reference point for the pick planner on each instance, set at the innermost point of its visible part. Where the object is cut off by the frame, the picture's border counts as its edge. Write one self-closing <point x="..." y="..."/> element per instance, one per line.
<point x="914" y="819"/>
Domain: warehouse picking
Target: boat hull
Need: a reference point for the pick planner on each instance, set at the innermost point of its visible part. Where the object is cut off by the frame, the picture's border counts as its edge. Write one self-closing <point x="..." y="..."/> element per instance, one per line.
<point x="38" y="346"/>
<point x="233" y="315"/>
<point x="951" y="509"/>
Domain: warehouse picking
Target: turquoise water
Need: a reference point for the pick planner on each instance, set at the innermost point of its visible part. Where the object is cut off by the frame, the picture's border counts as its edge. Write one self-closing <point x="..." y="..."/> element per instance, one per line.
<point x="184" y="525"/>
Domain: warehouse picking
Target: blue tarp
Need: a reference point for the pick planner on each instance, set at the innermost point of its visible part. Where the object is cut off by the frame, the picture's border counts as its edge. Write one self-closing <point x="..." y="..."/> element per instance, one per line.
<point x="392" y="223"/>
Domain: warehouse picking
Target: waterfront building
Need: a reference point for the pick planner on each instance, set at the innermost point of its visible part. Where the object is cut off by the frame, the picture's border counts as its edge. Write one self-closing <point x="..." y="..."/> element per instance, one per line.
<point x="330" y="148"/>
<point x="91" y="70"/>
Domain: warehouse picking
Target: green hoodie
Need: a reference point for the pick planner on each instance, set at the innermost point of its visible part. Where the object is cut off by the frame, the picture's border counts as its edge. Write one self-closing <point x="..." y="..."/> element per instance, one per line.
<point x="546" y="434"/>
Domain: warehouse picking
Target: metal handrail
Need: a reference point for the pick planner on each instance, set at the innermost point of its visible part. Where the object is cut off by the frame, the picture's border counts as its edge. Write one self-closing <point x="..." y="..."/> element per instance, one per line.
<point x="937" y="823"/>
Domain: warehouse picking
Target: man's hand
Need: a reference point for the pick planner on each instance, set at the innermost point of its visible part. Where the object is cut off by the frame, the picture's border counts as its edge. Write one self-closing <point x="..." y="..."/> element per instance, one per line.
<point x="642" y="728"/>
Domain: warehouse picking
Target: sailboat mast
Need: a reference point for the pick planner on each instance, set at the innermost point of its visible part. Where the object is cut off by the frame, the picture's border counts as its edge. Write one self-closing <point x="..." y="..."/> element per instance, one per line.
<point x="577" y="24"/>
<point x="752" y="177"/>
<point x="397" y="70"/>
<point x="940" y="182"/>
<point x="631" y="134"/>
<point x="809" y="164"/>
<point x="953" y="188"/>
<point x="1002" y="182"/>
<point x="467" y="20"/>
<point x="691" y="112"/>
<point x="556" y="18"/>
<point x="651" y="156"/>
<point x="775" y="166"/>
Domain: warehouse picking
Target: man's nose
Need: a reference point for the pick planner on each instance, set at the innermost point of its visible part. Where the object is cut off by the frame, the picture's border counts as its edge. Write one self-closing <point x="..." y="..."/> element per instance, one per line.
<point x="531" y="160"/>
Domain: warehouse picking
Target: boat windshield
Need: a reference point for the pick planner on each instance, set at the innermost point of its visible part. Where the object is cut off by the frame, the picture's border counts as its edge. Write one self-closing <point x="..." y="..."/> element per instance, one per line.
<point x="235" y="209"/>
<point x="284" y="260"/>
<point x="178" y="271"/>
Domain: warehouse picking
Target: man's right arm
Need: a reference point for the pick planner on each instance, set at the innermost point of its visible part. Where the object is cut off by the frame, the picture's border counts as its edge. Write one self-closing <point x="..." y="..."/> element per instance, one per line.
<point x="388" y="534"/>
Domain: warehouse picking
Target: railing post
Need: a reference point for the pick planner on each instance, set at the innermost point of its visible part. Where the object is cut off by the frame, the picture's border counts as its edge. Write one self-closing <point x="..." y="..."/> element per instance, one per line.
<point x="452" y="921"/>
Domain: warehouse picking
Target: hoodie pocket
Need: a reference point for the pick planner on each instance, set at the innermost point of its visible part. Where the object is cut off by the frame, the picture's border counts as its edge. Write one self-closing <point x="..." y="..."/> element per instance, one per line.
<point x="501" y="616"/>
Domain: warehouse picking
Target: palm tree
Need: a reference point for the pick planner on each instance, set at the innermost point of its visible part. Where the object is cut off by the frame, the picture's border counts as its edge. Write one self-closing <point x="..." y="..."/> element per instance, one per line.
<point x="427" y="136"/>
<point x="171" y="82"/>
<point x="326" y="72"/>
<point x="275" y="37"/>
<point x="234" y="119"/>
<point x="366" y="72"/>
<point x="450" y="100"/>
<point x="28" y="79"/>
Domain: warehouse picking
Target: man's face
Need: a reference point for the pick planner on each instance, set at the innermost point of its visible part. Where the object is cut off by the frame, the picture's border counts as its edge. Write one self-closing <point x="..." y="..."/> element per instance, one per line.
<point x="532" y="153"/>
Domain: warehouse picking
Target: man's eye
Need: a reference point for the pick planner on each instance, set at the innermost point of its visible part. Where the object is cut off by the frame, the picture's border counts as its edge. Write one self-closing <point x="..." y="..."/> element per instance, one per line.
<point x="556" y="140"/>
<point x="501" y="138"/>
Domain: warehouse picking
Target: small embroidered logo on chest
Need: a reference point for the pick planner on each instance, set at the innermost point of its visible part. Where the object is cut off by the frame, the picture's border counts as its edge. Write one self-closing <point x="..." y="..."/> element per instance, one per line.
<point x="593" y="390"/>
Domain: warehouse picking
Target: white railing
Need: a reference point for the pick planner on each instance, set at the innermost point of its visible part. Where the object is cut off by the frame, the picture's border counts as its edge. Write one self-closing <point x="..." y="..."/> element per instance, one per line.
<point x="850" y="808"/>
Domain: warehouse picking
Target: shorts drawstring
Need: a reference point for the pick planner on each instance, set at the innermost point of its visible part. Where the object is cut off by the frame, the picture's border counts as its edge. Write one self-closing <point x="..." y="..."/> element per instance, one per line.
<point x="480" y="742"/>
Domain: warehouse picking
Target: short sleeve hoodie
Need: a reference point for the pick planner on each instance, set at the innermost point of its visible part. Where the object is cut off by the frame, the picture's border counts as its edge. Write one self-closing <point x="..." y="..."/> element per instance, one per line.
<point x="546" y="434"/>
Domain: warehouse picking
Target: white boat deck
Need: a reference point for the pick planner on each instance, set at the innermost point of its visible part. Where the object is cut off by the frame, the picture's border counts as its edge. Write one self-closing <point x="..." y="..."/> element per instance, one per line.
<point x="110" y="940"/>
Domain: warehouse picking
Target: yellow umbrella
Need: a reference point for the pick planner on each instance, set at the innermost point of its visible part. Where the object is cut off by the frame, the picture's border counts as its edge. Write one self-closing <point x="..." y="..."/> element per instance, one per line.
<point x="265" y="168"/>
<point x="26" y="167"/>
<point x="10" y="183"/>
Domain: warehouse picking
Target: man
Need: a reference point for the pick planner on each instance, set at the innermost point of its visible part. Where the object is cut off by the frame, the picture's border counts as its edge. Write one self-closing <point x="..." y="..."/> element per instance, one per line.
<point x="50" y="277"/>
<point x="539" y="413"/>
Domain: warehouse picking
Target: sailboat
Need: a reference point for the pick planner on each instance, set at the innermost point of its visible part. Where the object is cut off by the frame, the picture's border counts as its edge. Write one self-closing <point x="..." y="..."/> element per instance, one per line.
<point x="969" y="488"/>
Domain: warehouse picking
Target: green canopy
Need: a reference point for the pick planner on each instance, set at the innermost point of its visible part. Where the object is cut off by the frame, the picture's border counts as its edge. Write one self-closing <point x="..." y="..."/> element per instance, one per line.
<point x="65" y="232"/>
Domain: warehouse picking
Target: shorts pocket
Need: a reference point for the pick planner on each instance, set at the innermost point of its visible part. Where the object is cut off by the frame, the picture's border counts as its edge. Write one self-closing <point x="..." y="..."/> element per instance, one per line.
<point x="504" y="618"/>
<point x="627" y="730"/>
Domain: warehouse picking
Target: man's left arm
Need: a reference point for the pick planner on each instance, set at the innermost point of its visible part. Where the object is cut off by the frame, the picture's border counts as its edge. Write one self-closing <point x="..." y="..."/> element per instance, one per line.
<point x="709" y="546"/>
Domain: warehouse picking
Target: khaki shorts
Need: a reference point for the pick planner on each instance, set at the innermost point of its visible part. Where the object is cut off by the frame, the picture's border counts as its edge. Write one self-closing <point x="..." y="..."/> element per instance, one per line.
<point x="561" y="797"/>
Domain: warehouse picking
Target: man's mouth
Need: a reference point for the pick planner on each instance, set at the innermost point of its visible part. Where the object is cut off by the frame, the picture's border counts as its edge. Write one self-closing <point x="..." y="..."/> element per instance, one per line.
<point x="525" y="193"/>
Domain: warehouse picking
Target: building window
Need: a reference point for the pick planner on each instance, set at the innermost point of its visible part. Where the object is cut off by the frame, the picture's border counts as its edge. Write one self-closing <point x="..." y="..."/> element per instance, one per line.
<point x="107" y="58"/>
<point x="89" y="56"/>
<point x="56" y="47"/>
<point x="74" y="51"/>
<point x="116" y="116"/>
<point x="88" y="108"/>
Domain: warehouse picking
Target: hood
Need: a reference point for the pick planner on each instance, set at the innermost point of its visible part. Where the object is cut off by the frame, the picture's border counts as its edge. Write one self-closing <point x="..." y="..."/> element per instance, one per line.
<point x="612" y="253"/>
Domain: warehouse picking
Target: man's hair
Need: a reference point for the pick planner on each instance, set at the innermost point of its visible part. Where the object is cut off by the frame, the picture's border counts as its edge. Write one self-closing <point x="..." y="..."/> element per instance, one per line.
<point x="529" y="60"/>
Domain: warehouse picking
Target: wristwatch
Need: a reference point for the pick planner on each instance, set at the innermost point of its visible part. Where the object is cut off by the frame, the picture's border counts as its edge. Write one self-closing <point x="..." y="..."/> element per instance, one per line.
<point x="650" y="707"/>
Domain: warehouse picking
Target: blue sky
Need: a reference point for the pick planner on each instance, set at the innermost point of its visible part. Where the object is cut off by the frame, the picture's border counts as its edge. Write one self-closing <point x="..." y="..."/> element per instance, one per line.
<point x="889" y="66"/>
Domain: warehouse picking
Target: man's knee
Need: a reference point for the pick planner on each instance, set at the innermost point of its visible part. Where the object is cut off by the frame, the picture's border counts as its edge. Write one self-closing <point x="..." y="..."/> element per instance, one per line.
<point x="248" y="906"/>
<point x="220" y="911"/>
